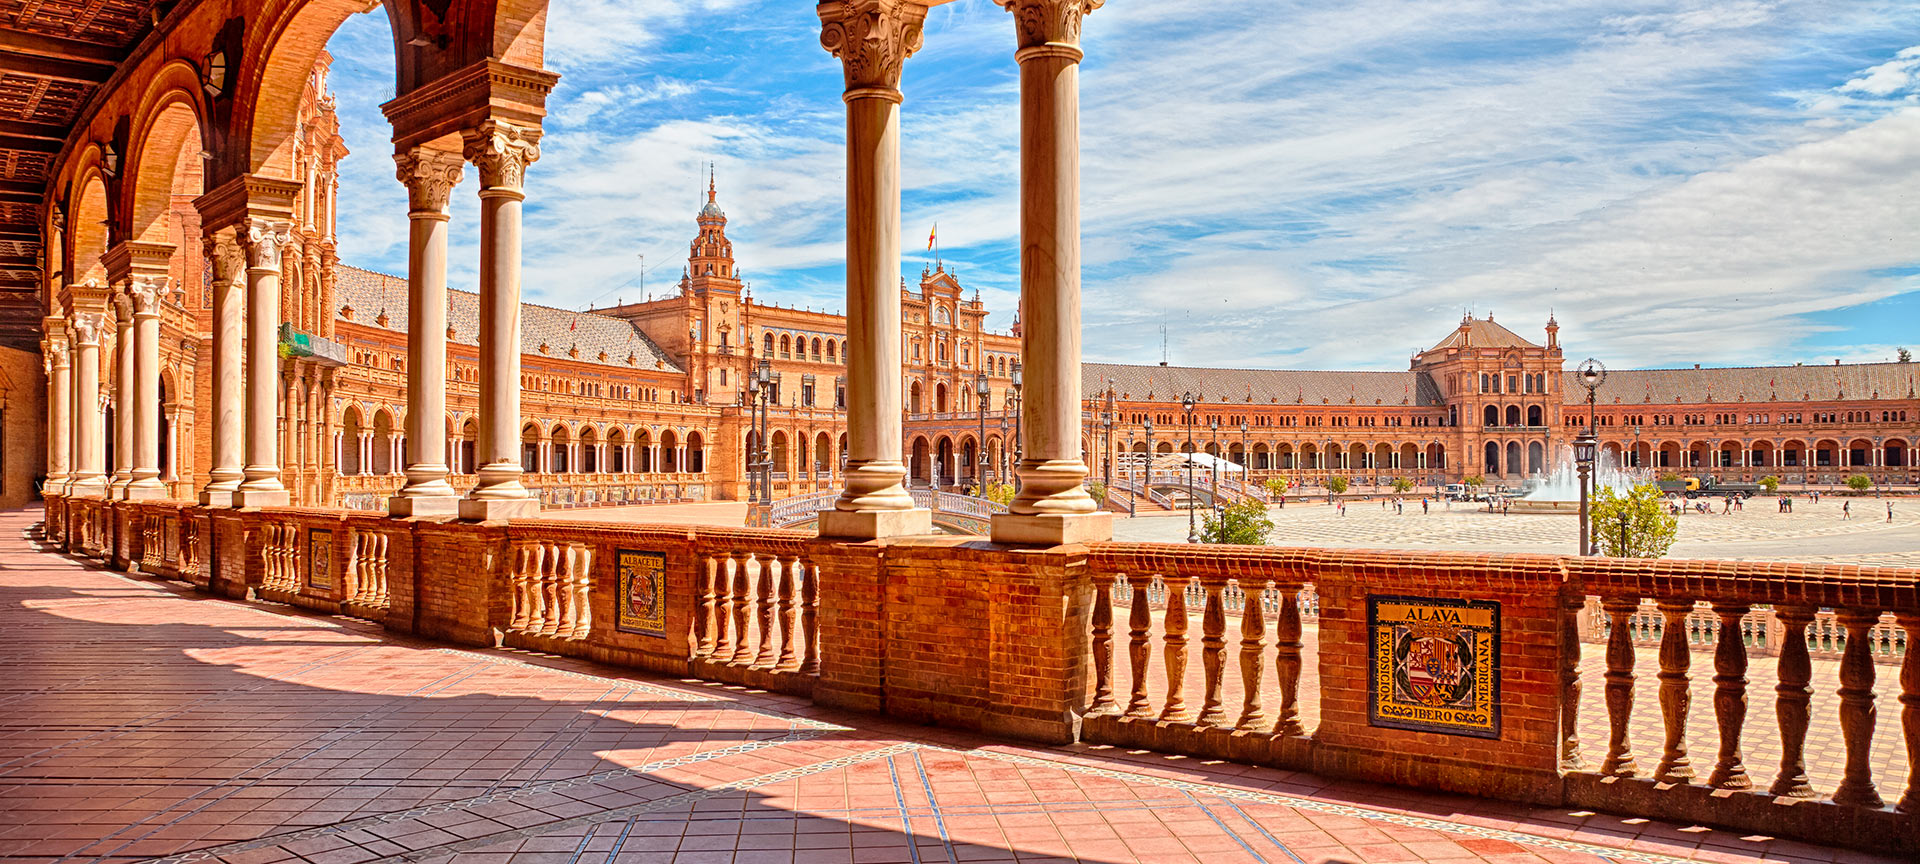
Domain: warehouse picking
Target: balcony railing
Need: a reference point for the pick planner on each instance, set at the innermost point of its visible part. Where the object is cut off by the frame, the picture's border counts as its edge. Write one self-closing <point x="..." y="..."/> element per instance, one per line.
<point x="1297" y="659"/>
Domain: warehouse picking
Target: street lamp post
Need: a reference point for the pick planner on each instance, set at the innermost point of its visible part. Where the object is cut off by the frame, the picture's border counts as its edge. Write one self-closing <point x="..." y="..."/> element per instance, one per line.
<point x="1132" y="504"/>
<point x="1000" y="470"/>
<point x="1215" y="465"/>
<point x="1186" y="405"/>
<point x="753" y="426"/>
<point x="1106" y="419"/>
<point x="1146" y="483"/>
<point x="985" y="391"/>
<point x="1591" y="375"/>
<point x="1019" y="450"/>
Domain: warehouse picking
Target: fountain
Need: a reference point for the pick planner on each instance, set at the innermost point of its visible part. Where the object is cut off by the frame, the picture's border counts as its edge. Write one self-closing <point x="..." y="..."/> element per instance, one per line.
<point x="1559" y="492"/>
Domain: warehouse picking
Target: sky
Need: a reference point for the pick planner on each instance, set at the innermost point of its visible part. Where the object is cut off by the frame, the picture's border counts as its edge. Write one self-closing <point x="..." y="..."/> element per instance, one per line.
<point x="1276" y="184"/>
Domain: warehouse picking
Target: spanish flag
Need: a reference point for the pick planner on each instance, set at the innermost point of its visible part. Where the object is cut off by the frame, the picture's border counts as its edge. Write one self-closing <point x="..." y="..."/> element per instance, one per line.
<point x="930" y="236"/>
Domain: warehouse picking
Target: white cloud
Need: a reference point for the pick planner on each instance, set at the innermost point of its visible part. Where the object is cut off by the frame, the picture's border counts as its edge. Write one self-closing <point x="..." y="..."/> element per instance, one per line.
<point x="1886" y="79"/>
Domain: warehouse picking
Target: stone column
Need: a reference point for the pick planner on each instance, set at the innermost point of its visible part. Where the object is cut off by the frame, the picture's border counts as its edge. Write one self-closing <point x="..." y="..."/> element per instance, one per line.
<point x="89" y="445"/>
<point x="122" y="395"/>
<point x="502" y="151"/>
<point x="59" y="368"/>
<point x="1053" y="506"/>
<point x="263" y="241"/>
<point x="429" y="176"/>
<point x="144" y="481"/>
<point x="873" y="39"/>
<point x="223" y="476"/>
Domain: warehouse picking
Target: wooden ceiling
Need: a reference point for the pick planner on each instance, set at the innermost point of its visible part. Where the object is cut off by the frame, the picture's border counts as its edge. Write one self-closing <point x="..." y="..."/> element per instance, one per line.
<point x="53" y="55"/>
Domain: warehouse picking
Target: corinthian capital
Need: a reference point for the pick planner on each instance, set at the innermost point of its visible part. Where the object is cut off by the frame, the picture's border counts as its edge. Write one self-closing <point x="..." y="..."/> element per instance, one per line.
<point x="122" y="309"/>
<point x="145" y="293"/>
<point x="224" y="256"/>
<point x="263" y="241"/>
<point x="502" y="150"/>
<point x="872" y="38"/>
<point x="1043" y="22"/>
<point x="429" y="176"/>
<point x="87" y="328"/>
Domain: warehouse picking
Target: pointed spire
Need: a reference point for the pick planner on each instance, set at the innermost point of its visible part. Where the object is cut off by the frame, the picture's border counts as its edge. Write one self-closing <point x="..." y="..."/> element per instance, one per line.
<point x="710" y="190"/>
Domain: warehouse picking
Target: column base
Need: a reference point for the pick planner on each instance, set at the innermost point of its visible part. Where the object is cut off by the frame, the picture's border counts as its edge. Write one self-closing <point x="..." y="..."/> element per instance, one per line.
<point x="221" y="497"/>
<point x="148" y="490"/>
<point x="875" y="524"/>
<point x="1052" y="529"/>
<point x="498" y="509"/>
<point x="422" y="505"/>
<point x="261" y="498"/>
<point x="88" y="488"/>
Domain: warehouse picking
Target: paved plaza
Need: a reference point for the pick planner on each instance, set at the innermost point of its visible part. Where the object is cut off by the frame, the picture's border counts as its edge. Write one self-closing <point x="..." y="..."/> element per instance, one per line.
<point x="143" y="722"/>
<point x="1813" y="532"/>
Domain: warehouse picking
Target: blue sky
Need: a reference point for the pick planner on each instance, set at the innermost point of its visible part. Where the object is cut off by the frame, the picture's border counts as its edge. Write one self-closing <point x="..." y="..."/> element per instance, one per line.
<point x="1278" y="184"/>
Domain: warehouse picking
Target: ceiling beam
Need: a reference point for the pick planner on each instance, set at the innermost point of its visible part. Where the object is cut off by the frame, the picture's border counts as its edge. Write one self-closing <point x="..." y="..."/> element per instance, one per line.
<point x="54" y="47"/>
<point x="29" y="143"/>
<point x="56" y="66"/>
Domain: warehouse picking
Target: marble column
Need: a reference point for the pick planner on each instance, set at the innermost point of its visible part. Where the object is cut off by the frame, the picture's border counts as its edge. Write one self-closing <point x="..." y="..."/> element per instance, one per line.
<point x="87" y="330"/>
<point x="144" y="481"/>
<point x="59" y="369"/>
<point x="228" y="409"/>
<point x="429" y="176"/>
<point x="872" y="39"/>
<point x="122" y="389"/>
<point x="1053" y="506"/>
<point x="260" y="486"/>
<point x="502" y="151"/>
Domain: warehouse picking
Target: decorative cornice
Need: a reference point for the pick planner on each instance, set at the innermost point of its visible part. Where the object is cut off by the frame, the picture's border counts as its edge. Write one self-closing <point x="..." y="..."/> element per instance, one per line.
<point x="1049" y="22"/>
<point x="502" y="150"/>
<point x="872" y="38"/>
<point x="429" y="176"/>
<point x="263" y="241"/>
<point x="248" y="196"/>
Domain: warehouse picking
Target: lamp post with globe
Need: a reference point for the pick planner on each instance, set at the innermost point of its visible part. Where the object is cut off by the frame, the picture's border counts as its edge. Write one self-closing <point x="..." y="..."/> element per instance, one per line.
<point x="1591" y="375"/>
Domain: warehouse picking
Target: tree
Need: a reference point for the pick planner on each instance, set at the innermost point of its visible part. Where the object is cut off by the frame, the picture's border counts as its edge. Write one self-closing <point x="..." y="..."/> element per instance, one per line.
<point x="1474" y="480"/>
<point x="1859" y="482"/>
<point x="1244" y="522"/>
<point x="1098" y="491"/>
<point x="1276" y="486"/>
<point x="999" y="493"/>
<point x="1402" y="485"/>
<point x="1337" y="485"/>
<point x="1634" y="525"/>
<point x="1770" y="483"/>
<point x="1903" y="355"/>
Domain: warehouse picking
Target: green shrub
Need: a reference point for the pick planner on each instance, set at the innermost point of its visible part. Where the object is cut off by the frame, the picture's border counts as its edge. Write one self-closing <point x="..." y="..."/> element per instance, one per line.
<point x="1337" y="485"/>
<point x="1770" y="483"/>
<point x="1276" y="486"/>
<point x="1244" y="522"/>
<point x="999" y="493"/>
<point x="1859" y="482"/>
<point x="1634" y="525"/>
<point x="1402" y="485"/>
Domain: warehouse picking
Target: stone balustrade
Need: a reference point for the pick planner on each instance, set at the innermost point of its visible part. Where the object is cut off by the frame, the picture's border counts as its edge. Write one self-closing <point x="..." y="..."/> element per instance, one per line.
<point x="1346" y="663"/>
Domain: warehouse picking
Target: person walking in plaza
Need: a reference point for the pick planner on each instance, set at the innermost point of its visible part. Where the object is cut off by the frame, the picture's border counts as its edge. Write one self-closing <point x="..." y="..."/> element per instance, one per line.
<point x="1424" y="511"/>
<point x="1889" y="512"/>
<point x="1846" y="510"/>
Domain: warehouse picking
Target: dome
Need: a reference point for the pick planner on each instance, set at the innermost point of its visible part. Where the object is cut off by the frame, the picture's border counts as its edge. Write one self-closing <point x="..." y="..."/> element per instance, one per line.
<point x="711" y="211"/>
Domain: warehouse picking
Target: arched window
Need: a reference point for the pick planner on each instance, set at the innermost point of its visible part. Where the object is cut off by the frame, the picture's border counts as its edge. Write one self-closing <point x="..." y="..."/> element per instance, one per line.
<point x="830" y="352"/>
<point x="786" y="345"/>
<point x="1492" y="416"/>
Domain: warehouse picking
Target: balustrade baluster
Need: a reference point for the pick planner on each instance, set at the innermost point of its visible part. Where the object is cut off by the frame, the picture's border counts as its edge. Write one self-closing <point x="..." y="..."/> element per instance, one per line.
<point x="555" y="586"/>
<point x="520" y="617"/>
<point x="1102" y="648"/>
<point x="380" y="561"/>
<point x="1139" y="627"/>
<point x="1619" y="687"/>
<point x="705" y="625"/>
<point x="723" y="624"/>
<point x="1910" y="708"/>
<point x="1253" y="631"/>
<point x="1676" y="655"/>
<point x="583" y="586"/>
<point x="1730" y="697"/>
<point x="784" y="623"/>
<point x="1286" y="661"/>
<point x="1857" y="709"/>
<point x="1792" y="695"/>
<point x="1570" y="611"/>
<point x="743" y="606"/>
<point x="764" y="604"/>
<point x="1213" y="643"/>
<point x="809" y="619"/>
<point x="1174" y="637"/>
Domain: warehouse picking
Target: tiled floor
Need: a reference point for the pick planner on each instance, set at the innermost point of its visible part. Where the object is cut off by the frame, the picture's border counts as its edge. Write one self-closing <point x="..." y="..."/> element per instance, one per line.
<point x="140" y="721"/>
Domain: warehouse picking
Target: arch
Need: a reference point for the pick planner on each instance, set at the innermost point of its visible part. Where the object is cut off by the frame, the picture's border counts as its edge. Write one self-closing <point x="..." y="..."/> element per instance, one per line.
<point x="1536" y="416"/>
<point x="1409" y="457"/>
<point x="777" y="453"/>
<point x="1491" y="465"/>
<point x="1163" y="447"/>
<point x="943" y="461"/>
<point x="350" y="431"/>
<point x="589" y="450"/>
<point x="87" y="229"/>
<point x="766" y="349"/>
<point x="669" y="460"/>
<point x="469" y="436"/>
<point x="1382" y="457"/>
<point x="696" y="453"/>
<point x="643" y="451"/>
<point x="968" y="465"/>
<point x="1859" y="453"/>
<point x="1437" y="456"/>
<point x="1760" y="454"/>
<point x="1896" y="453"/>
<point x="1513" y="415"/>
<point x="1285" y="457"/>
<point x="1491" y="416"/>
<point x="383" y="438"/>
<point x="1536" y="458"/>
<point x="1728" y="455"/>
<point x="822" y="453"/>
<point x="164" y="161"/>
<point x="1696" y="455"/>
<point x="786" y="345"/>
<point x="816" y="349"/>
<point x="1310" y="457"/>
<point x="560" y="439"/>
<point x="830" y="352"/>
<point x="617" y="461"/>
<point x="530" y="448"/>
<point x="921" y="467"/>
<point x="913" y="398"/>
<point x="940" y="397"/>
